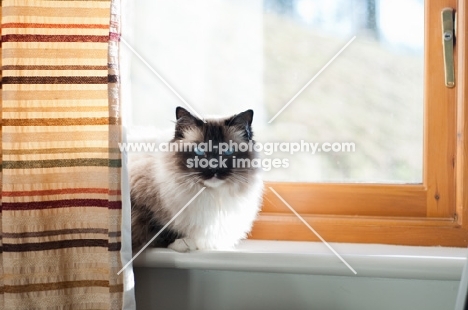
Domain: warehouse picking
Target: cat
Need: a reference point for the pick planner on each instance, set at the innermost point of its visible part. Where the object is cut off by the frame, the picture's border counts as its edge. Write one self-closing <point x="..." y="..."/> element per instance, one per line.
<point x="162" y="183"/>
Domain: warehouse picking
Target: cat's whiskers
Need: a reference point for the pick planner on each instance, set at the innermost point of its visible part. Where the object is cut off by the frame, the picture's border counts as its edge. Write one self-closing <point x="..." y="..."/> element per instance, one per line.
<point x="238" y="175"/>
<point x="190" y="179"/>
<point x="233" y="179"/>
<point x="181" y="181"/>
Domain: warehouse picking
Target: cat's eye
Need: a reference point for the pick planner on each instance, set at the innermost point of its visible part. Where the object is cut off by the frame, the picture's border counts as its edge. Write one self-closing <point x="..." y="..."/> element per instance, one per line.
<point x="228" y="152"/>
<point x="198" y="151"/>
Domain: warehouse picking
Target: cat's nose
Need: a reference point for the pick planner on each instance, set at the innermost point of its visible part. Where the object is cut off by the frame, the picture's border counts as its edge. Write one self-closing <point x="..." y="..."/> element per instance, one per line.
<point x="214" y="172"/>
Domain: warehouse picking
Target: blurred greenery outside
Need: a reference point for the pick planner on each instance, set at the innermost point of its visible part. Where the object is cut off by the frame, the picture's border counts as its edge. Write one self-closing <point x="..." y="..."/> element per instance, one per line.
<point x="259" y="56"/>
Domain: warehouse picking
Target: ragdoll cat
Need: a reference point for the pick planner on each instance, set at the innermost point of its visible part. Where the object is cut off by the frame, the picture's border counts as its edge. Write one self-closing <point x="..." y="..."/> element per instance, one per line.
<point x="162" y="183"/>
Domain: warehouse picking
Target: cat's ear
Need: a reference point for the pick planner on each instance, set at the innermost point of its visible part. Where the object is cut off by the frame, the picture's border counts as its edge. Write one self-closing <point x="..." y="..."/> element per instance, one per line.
<point x="184" y="116"/>
<point x="185" y="120"/>
<point x="181" y="112"/>
<point x="243" y="121"/>
<point x="244" y="118"/>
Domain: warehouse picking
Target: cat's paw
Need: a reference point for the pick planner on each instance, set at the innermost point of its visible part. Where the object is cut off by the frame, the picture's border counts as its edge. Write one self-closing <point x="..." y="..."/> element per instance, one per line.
<point x="183" y="245"/>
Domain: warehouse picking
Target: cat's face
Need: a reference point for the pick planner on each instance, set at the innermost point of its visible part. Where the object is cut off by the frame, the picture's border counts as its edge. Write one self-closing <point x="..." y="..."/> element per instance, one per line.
<point x="219" y="151"/>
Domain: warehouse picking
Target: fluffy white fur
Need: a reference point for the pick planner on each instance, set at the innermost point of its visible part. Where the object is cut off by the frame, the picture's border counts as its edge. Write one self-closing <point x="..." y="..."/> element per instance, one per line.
<point x="218" y="218"/>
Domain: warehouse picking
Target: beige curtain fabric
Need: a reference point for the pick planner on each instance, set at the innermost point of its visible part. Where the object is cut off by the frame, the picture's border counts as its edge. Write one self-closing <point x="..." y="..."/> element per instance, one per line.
<point x="60" y="198"/>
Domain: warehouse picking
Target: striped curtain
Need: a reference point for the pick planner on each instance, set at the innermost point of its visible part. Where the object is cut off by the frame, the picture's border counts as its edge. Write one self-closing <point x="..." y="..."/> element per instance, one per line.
<point x="60" y="182"/>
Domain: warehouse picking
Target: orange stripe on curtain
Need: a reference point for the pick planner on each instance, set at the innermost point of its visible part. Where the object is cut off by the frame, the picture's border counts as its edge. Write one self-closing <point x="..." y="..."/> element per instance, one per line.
<point x="60" y="181"/>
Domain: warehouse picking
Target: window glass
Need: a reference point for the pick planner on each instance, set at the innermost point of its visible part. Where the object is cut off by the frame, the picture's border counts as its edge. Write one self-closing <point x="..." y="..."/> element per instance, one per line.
<point x="359" y="120"/>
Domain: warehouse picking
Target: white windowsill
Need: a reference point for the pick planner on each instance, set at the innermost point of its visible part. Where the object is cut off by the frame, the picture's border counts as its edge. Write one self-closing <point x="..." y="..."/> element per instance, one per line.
<point x="369" y="260"/>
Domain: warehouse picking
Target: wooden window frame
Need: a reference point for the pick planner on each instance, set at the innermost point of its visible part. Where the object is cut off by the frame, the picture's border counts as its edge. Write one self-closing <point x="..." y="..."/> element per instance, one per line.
<point x="434" y="213"/>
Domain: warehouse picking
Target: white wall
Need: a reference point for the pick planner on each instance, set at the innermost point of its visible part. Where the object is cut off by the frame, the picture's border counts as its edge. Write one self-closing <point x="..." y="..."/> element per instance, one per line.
<point x="191" y="289"/>
<point x="300" y="275"/>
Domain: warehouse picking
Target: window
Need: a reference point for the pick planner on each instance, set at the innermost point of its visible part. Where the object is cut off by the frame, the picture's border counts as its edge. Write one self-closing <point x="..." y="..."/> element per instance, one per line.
<point x="420" y="197"/>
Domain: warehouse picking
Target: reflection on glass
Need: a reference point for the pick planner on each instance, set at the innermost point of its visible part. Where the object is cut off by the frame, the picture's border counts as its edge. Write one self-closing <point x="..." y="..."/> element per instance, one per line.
<point x="370" y="96"/>
<point x="227" y="56"/>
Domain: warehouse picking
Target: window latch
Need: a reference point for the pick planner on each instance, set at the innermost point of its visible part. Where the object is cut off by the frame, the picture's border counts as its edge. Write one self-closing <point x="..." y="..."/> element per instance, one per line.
<point x="448" y="41"/>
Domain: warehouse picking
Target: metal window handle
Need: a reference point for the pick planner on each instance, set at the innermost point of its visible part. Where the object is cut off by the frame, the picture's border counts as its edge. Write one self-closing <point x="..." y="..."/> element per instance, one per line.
<point x="448" y="40"/>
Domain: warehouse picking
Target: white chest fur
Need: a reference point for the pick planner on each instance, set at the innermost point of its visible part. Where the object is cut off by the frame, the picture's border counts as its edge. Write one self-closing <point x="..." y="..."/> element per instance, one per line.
<point x="219" y="217"/>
